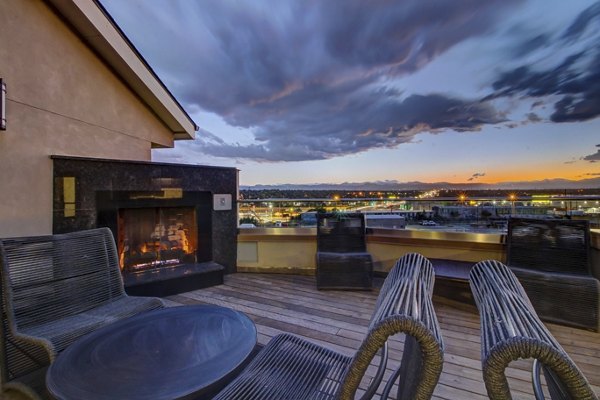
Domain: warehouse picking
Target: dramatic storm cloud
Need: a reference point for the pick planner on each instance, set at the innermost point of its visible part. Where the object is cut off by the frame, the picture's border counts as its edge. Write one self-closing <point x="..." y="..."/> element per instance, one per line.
<point x="315" y="80"/>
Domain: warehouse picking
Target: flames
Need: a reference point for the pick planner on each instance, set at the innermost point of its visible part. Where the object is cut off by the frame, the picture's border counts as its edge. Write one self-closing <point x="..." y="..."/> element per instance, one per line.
<point x="166" y="244"/>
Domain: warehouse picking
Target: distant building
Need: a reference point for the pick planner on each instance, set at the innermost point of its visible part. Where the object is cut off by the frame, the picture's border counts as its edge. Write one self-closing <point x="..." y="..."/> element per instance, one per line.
<point x="308" y="218"/>
<point x="489" y="211"/>
<point x="389" y="221"/>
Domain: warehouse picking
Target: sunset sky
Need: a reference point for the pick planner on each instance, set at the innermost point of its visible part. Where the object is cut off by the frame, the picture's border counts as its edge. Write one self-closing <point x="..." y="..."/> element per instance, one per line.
<point x="333" y="91"/>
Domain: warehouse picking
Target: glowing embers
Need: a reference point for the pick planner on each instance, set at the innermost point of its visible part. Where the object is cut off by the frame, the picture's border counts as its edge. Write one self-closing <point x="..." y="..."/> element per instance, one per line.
<point x="157" y="237"/>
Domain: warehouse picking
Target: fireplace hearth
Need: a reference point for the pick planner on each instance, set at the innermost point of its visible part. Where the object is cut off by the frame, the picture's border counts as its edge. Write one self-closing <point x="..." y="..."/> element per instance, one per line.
<point x="168" y="235"/>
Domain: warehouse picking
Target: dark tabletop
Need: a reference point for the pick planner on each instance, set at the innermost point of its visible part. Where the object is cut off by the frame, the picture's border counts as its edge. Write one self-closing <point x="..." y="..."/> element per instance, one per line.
<point x="173" y="353"/>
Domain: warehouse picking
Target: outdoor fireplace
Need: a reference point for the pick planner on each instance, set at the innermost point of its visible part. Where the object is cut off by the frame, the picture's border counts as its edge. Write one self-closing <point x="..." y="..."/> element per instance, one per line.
<point x="157" y="229"/>
<point x="156" y="237"/>
<point x="171" y="234"/>
<point x="163" y="238"/>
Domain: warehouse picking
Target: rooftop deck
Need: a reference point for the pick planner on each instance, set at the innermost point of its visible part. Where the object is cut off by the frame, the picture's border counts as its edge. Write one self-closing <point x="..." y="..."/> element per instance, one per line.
<point x="338" y="319"/>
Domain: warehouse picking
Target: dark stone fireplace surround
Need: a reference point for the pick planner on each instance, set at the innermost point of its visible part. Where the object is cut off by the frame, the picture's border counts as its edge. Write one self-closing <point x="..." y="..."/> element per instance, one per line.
<point x="103" y="187"/>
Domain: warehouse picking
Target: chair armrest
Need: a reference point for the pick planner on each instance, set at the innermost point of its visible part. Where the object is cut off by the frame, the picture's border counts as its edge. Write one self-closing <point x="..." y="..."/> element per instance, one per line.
<point x="511" y="329"/>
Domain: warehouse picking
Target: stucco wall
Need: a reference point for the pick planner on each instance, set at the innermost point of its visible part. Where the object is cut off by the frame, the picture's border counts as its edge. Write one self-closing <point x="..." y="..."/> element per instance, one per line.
<point x="62" y="100"/>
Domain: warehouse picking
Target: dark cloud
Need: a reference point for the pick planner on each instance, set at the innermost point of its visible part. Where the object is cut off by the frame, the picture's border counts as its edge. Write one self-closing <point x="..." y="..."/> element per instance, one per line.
<point x="593" y="157"/>
<point x="592" y="174"/>
<point x="576" y="79"/>
<point x="532" y="44"/>
<point x="475" y="176"/>
<point x="582" y="22"/>
<point x="309" y="131"/>
<point x="524" y="80"/>
<point x="537" y="103"/>
<point x="402" y="35"/>
<point x="309" y="77"/>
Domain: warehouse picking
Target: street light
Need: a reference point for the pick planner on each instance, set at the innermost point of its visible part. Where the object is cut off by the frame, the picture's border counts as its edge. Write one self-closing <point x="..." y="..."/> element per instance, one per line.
<point x="512" y="198"/>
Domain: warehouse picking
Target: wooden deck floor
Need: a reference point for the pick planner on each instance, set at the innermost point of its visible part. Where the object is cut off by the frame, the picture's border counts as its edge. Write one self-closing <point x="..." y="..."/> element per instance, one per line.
<point x="338" y="319"/>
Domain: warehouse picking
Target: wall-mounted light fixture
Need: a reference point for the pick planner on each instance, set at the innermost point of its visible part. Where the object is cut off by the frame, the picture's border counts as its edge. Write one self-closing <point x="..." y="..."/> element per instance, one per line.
<point x="2" y="105"/>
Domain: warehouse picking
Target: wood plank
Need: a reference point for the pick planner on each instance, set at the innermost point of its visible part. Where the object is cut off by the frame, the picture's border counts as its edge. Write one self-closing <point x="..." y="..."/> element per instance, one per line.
<point x="339" y="319"/>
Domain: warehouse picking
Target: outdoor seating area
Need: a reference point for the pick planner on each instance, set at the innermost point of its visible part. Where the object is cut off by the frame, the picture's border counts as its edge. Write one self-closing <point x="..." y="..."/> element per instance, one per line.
<point x="68" y="327"/>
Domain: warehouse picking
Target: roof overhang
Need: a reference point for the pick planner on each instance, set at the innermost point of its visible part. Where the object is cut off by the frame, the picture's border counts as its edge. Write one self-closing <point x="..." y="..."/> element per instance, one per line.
<point x="99" y="31"/>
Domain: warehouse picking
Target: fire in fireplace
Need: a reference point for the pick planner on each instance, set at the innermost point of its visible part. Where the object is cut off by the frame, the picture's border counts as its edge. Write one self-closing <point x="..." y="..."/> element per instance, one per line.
<point x="156" y="237"/>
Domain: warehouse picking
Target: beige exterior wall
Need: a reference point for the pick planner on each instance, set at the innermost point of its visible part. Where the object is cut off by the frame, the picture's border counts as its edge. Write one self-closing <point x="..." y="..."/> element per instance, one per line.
<point x="62" y="100"/>
<point x="287" y="257"/>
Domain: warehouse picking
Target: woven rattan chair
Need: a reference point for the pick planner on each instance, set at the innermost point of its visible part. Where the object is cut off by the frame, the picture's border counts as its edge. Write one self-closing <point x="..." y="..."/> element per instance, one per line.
<point x="54" y="290"/>
<point x="290" y="367"/>
<point x="511" y="329"/>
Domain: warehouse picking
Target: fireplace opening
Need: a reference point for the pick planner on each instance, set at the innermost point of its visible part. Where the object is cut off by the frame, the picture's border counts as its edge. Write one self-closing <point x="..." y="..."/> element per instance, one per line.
<point x="156" y="237"/>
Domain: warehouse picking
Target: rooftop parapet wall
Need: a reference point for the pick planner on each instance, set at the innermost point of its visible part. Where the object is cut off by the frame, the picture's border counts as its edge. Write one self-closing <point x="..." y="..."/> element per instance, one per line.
<point x="293" y="250"/>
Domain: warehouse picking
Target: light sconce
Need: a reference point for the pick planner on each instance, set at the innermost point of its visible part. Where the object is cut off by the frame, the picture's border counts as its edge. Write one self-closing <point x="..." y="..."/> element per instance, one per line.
<point x="2" y="105"/>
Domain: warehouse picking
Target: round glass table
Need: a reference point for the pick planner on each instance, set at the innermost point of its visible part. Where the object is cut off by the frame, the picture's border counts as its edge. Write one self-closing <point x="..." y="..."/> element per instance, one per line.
<point x="173" y="353"/>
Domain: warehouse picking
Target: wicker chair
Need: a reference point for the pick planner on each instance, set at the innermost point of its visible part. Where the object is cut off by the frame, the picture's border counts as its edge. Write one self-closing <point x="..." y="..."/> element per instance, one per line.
<point x="290" y="367"/>
<point x="54" y="290"/>
<point x="511" y="329"/>
<point x="342" y="258"/>
<point x="551" y="258"/>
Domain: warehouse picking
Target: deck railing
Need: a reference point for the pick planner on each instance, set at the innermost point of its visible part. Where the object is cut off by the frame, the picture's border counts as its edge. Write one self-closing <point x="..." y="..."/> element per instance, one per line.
<point x="466" y="212"/>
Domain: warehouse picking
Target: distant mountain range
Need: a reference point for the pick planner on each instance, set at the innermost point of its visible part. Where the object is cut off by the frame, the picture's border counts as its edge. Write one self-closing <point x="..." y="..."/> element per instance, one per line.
<point x="393" y="185"/>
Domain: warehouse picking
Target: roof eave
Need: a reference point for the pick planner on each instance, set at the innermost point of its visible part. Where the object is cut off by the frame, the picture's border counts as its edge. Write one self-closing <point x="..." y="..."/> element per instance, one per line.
<point x="99" y="31"/>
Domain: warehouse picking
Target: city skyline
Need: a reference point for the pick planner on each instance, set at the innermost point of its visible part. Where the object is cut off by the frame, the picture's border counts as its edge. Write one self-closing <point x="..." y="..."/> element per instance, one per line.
<point x="342" y="91"/>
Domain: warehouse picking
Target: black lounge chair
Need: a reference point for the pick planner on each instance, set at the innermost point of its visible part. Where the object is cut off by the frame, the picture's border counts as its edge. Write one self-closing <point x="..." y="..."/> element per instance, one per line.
<point x="552" y="260"/>
<point x="290" y="367"/>
<point x="342" y="258"/>
<point x="511" y="329"/>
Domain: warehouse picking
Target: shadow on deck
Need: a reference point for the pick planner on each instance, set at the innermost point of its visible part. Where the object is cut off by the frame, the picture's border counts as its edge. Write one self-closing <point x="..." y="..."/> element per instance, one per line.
<point x="339" y="319"/>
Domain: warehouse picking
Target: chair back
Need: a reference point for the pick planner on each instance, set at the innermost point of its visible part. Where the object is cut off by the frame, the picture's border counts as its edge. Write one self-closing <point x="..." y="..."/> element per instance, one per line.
<point x="50" y="277"/>
<point x="341" y="233"/>
<point x="403" y="306"/>
<point x="46" y="278"/>
<point x="549" y="245"/>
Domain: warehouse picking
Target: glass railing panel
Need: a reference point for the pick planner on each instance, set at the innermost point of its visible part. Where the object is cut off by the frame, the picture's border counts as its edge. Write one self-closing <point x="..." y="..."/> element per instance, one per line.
<point x="482" y="214"/>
